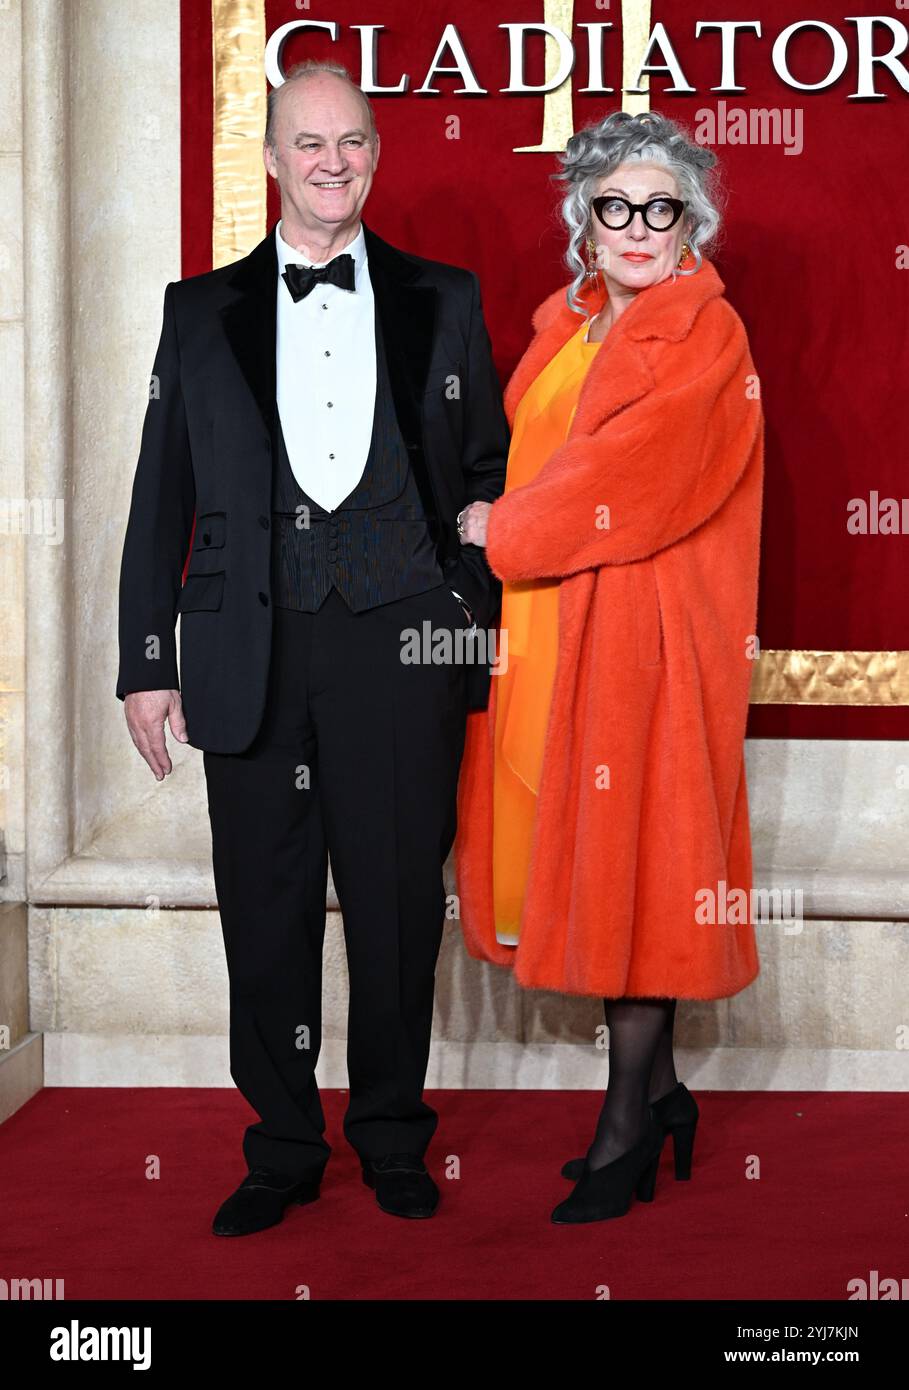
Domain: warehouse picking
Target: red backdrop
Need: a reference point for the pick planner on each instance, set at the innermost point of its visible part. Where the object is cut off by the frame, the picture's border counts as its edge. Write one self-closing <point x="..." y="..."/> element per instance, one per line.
<point x="809" y="258"/>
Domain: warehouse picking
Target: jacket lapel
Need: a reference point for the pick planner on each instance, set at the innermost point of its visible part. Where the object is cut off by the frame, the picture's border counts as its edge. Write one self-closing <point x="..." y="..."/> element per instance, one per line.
<point x="250" y="323"/>
<point x="406" y="311"/>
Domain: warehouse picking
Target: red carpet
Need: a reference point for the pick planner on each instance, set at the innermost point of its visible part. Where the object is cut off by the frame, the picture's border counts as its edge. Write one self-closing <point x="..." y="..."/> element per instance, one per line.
<point x="830" y="1205"/>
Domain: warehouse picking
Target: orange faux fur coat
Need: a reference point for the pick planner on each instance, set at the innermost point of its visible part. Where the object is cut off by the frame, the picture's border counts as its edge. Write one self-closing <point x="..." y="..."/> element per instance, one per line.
<point x="642" y="811"/>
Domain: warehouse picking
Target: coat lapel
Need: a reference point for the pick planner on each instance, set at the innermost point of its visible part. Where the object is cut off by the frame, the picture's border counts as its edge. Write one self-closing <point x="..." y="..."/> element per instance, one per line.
<point x="620" y="372"/>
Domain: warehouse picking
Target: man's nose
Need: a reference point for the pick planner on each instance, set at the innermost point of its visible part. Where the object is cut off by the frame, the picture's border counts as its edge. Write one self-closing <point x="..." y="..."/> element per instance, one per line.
<point x="333" y="158"/>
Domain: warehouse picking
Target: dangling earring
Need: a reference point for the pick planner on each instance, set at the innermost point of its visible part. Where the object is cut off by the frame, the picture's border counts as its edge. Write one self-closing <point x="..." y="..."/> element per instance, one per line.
<point x="591" y="258"/>
<point x="686" y="252"/>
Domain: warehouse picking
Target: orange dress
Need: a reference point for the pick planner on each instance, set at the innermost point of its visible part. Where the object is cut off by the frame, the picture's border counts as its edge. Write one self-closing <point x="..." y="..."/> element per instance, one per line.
<point x="530" y="611"/>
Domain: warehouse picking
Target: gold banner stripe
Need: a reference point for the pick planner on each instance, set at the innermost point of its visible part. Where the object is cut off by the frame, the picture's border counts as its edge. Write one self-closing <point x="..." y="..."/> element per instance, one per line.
<point x="831" y="678"/>
<point x="635" y="33"/>
<point x="240" y="91"/>
<point x="558" y="115"/>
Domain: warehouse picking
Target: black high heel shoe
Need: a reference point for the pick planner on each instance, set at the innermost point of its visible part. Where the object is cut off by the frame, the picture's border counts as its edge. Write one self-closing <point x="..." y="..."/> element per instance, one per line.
<point x="601" y="1193"/>
<point x="677" y="1112"/>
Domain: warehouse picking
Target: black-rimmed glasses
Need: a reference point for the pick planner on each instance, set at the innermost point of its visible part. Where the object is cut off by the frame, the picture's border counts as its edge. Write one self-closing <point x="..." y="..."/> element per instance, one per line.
<point x="659" y="213"/>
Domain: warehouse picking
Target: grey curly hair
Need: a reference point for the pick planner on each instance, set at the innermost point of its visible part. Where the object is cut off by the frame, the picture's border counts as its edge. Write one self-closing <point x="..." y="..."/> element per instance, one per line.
<point x="618" y="138"/>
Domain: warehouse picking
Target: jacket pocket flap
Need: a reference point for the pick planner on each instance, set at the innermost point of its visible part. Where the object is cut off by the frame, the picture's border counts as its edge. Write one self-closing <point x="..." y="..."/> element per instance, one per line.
<point x="201" y="592"/>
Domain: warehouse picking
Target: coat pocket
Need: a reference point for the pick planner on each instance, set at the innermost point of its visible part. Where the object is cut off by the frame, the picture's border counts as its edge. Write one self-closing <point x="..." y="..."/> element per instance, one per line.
<point x="201" y="593"/>
<point x="648" y="614"/>
<point x="211" y="531"/>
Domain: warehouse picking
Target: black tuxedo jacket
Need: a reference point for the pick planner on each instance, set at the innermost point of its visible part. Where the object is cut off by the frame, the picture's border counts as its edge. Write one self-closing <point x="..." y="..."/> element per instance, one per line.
<point x="209" y="444"/>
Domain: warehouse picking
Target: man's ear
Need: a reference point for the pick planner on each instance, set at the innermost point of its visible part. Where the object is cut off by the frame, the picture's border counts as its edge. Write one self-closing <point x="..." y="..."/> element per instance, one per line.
<point x="268" y="157"/>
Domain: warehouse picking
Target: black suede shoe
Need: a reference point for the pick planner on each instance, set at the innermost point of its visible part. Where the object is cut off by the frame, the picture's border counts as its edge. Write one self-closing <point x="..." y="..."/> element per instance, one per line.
<point x="260" y="1201"/>
<point x="402" y="1185"/>
<point x="601" y="1193"/>
<point x="677" y="1112"/>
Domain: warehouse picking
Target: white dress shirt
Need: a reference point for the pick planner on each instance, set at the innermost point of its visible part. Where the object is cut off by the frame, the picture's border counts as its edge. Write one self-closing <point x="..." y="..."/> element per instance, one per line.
<point x="326" y="376"/>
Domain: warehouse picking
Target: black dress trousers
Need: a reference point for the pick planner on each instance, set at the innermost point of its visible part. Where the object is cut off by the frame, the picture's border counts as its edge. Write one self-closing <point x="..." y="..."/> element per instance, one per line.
<point x="357" y="757"/>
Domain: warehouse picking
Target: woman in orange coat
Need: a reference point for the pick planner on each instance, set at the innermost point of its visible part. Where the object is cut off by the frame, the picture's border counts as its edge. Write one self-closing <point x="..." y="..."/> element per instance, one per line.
<point x="603" y="844"/>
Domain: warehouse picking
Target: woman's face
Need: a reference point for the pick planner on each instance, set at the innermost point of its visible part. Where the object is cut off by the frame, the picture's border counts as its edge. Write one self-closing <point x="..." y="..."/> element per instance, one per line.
<point x="636" y="256"/>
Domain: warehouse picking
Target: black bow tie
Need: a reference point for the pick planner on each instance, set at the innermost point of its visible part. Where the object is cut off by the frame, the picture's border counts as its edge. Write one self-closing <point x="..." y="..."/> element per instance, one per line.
<point x="300" y="279"/>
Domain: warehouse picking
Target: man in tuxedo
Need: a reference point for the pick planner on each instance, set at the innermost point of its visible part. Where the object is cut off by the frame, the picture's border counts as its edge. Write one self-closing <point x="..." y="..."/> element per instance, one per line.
<point x="325" y="409"/>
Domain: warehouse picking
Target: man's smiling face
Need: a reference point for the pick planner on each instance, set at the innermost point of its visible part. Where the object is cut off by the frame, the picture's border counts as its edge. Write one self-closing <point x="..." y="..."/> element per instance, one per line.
<point x="324" y="156"/>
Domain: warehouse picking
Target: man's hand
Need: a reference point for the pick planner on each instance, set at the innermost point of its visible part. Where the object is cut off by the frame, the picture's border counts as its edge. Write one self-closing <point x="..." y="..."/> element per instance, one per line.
<point x="473" y="523"/>
<point x="146" y="711"/>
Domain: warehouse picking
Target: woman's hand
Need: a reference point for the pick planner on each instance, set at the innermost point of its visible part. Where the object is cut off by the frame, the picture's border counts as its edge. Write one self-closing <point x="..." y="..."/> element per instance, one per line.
<point x="473" y="523"/>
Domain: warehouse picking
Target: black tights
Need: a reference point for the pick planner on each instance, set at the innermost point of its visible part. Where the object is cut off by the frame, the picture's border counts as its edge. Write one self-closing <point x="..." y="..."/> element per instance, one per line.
<point x="641" y="1070"/>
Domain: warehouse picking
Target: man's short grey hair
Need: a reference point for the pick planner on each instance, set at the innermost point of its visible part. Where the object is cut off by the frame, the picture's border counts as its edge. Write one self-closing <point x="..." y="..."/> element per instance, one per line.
<point x="598" y="149"/>
<point x="312" y="67"/>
